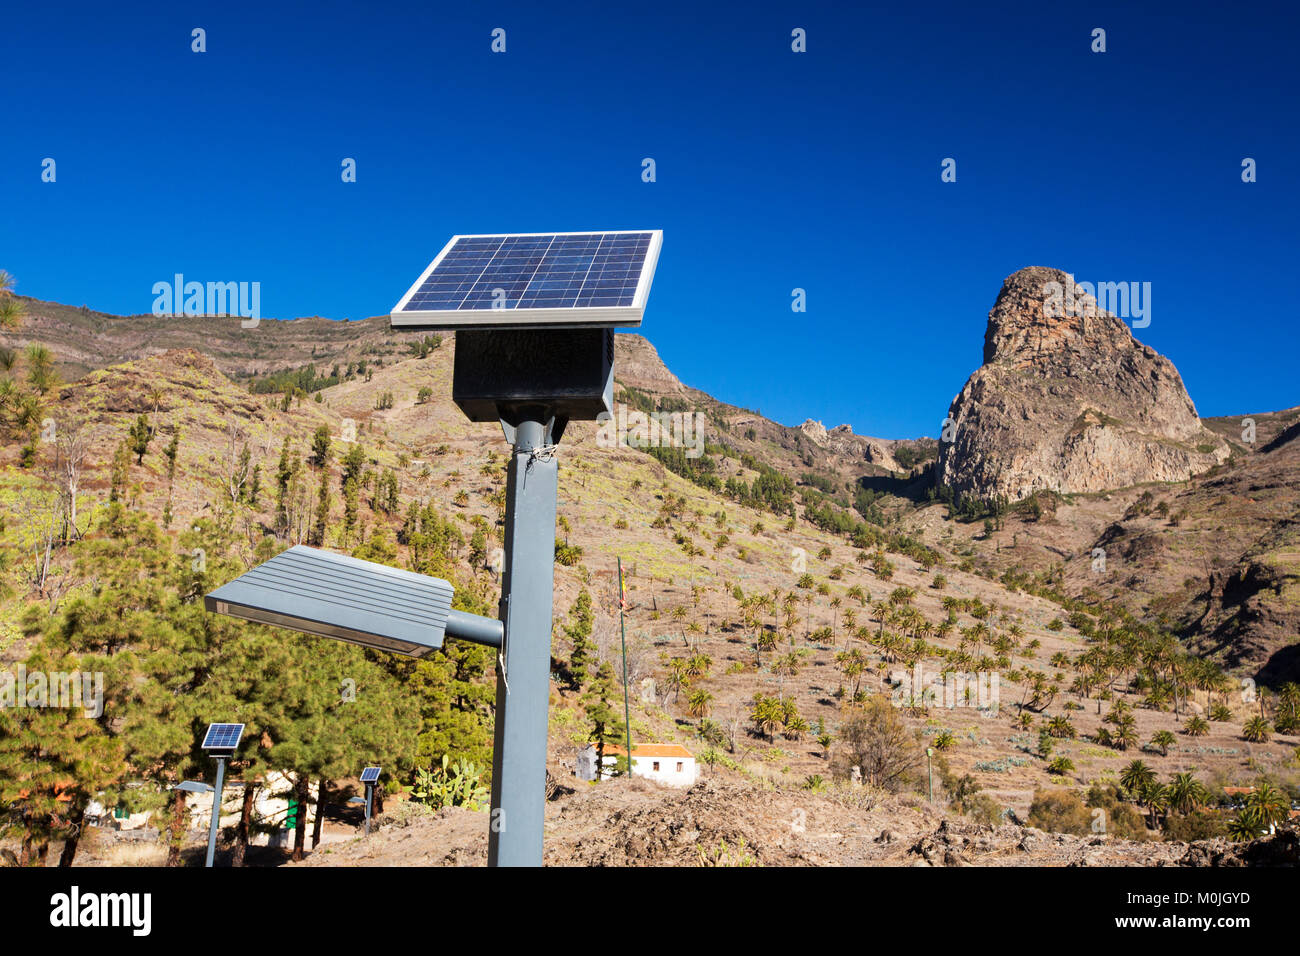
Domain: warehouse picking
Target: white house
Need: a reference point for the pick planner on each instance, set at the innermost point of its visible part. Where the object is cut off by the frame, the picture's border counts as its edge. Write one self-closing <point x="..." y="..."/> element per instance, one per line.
<point x="671" y="764"/>
<point x="271" y="806"/>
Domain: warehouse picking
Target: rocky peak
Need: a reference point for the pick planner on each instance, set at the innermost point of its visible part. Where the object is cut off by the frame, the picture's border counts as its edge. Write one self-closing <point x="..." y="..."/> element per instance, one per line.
<point x="1023" y="331"/>
<point x="1067" y="400"/>
<point x="842" y="441"/>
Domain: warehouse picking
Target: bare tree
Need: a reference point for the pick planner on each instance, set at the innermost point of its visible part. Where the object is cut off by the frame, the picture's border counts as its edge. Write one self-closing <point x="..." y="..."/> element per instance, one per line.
<point x="41" y="509"/>
<point x="731" y="720"/>
<point x="72" y="446"/>
<point x="235" y="462"/>
<point x="878" y="740"/>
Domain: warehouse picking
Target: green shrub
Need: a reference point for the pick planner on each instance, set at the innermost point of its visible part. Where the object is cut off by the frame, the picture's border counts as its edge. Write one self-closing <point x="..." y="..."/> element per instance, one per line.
<point x="1060" y="811"/>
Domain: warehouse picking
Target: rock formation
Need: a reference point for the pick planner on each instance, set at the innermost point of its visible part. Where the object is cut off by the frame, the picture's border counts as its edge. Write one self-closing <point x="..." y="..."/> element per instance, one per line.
<point x="1068" y="402"/>
<point x="842" y="441"/>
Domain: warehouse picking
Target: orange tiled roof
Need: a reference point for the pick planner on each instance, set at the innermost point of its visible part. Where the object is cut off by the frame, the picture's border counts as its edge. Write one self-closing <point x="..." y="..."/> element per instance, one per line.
<point x="652" y="750"/>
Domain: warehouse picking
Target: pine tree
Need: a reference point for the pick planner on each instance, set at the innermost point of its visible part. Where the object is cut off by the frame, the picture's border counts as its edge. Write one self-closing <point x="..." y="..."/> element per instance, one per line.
<point x="140" y="434"/>
<point x="119" y="472"/>
<point x="350" y="505"/>
<point x="354" y="462"/>
<point x="283" y="476"/>
<point x="320" y="447"/>
<point x="603" y="717"/>
<point x="579" y="632"/>
<point x="322" y="510"/>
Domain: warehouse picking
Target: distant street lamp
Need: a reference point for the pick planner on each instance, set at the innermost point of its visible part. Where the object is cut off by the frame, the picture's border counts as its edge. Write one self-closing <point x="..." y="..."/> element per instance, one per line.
<point x="929" y="770"/>
<point x="369" y="777"/>
<point x="220" y="742"/>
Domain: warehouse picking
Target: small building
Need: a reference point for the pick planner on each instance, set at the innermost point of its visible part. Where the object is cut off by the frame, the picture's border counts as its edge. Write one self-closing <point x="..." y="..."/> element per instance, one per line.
<point x="671" y="764"/>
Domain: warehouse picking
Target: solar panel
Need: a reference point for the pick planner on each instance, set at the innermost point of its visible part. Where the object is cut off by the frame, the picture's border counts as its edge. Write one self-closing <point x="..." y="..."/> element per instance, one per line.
<point x="559" y="280"/>
<point x="223" y="736"/>
<point x="370" y="775"/>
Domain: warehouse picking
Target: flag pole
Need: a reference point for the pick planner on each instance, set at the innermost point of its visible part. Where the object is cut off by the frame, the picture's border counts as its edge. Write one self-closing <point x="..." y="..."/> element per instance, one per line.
<point x="627" y="718"/>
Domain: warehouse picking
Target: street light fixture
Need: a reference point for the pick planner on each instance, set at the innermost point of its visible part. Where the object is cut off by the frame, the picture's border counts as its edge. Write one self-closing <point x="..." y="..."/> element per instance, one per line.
<point x="220" y="742"/>
<point x="360" y="602"/>
<point x="194" y="786"/>
<point x="929" y="770"/>
<point x="369" y="777"/>
<point x="535" y="350"/>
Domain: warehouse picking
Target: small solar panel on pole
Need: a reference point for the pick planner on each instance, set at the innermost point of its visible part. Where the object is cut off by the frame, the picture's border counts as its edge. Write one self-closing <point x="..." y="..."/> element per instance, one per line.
<point x="220" y="742"/>
<point x="369" y="776"/>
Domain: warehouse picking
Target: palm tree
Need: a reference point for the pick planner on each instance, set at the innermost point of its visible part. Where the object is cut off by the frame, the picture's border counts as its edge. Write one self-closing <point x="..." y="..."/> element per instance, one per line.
<point x="1269" y="802"/>
<point x="1186" y="793"/>
<point x="700" y="703"/>
<point x="11" y="312"/>
<point x="40" y="368"/>
<point x="1162" y="740"/>
<point x="787" y="665"/>
<point x="1196" y="726"/>
<point x="1246" y="826"/>
<point x="677" y="677"/>
<point x="698" y="665"/>
<point x="852" y="665"/>
<point x="1156" y="798"/>
<point x="1061" y="726"/>
<point x="1136" y="777"/>
<point x="768" y="715"/>
<point x="1264" y="808"/>
<point x="1287" y="718"/>
<point x="1256" y="730"/>
<point x="824" y="740"/>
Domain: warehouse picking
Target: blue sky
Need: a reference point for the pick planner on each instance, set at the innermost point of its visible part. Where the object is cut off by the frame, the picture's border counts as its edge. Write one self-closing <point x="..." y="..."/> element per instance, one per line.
<point x="775" y="170"/>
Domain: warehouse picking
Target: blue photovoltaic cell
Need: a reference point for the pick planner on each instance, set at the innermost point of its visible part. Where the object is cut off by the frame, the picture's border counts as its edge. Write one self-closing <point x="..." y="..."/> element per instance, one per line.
<point x="223" y="736"/>
<point x="591" y="270"/>
<point x="370" y="775"/>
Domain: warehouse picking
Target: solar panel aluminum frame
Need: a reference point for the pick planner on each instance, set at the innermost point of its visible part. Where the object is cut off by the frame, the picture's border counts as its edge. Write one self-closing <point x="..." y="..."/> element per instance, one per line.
<point x="345" y="598"/>
<point x="221" y="751"/>
<point x="571" y="317"/>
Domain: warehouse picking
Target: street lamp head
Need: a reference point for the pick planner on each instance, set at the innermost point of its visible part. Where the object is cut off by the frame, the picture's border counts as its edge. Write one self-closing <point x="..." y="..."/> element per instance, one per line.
<point x="359" y="602"/>
<point x="333" y="595"/>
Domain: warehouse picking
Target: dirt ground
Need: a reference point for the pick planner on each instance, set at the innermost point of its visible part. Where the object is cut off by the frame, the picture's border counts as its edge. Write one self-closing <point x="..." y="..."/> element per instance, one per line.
<point x="729" y="821"/>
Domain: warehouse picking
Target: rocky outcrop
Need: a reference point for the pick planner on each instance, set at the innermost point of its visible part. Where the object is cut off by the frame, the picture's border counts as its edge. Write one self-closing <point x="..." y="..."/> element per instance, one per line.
<point x="842" y="441"/>
<point x="1068" y="401"/>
